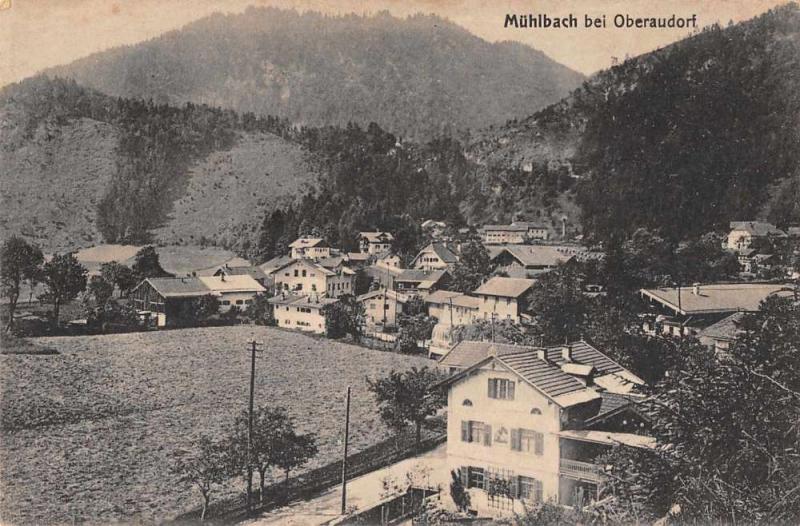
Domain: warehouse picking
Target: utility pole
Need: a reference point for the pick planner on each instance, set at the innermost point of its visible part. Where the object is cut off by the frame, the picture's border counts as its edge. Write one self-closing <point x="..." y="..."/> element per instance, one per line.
<point x="344" y="457"/>
<point x="253" y="350"/>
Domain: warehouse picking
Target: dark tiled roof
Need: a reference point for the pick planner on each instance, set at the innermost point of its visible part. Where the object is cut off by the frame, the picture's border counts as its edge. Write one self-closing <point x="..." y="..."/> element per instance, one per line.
<point x="179" y="286"/>
<point x="524" y="360"/>
<point x="725" y="329"/>
<point x="505" y="287"/>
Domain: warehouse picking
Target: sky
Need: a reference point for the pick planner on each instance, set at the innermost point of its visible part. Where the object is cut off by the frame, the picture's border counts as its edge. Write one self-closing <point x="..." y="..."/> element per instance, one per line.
<point x="36" y="34"/>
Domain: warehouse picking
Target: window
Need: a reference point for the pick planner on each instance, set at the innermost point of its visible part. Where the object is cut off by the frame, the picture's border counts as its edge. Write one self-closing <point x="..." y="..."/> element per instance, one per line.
<point x="248" y="302"/>
<point x="304" y="273"/>
<point x="476" y="432"/>
<point x="474" y="477"/>
<point x="501" y="389"/>
<point x="296" y="273"/>
<point x="239" y="302"/>
<point x="226" y="302"/>
<point x="530" y="489"/>
<point x="527" y="441"/>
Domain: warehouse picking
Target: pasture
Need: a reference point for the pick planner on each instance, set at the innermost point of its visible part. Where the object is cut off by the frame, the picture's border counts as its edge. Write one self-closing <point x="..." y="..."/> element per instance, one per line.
<point x="89" y="434"/>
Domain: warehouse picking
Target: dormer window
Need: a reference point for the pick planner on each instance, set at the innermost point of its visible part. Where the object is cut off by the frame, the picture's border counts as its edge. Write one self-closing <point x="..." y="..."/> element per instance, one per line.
<point x="536" y="411"/>
<point x="467" y="402"/>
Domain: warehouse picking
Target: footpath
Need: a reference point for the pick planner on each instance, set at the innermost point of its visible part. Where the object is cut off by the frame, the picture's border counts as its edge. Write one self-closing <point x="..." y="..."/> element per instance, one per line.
<point x="362" y="492"/>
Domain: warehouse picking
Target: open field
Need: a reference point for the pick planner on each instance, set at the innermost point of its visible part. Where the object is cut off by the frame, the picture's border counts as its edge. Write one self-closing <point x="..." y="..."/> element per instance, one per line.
<point x="89" y="434"/>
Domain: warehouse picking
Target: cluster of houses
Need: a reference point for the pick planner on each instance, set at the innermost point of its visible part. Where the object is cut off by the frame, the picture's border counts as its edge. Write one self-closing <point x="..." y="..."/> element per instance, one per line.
<point x="524" y="423"/>
<point x="754" y="243"/>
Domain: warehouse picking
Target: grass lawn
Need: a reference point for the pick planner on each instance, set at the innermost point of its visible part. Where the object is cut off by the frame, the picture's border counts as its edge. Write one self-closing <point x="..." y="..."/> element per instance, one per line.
<point x="89" y="434"/>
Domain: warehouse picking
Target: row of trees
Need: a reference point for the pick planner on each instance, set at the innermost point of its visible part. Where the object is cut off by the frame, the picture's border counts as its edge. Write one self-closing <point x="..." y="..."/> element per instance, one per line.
<point x="63" y="279"/>
<point x="276" y="444"/>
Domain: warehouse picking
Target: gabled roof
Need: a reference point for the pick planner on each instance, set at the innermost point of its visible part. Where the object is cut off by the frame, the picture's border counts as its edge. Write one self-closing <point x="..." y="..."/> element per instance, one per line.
<point x="275" y="263"/>
<point x="504" y="228"/>
<point x="715" y="298"/>
<point x="254" y="272"/>
<point x="307" y="263"/>
<point x="441" y="251"/>
<point x="308" y="242"/>
<point x="725" y="329"/>
<point x="420" y="276"/>
<point x="232" y="262"/>
<point x="331" y="262"/>
<point x="376" y="237"/>
<point x="239" y="283"/>
<point x="467" y="353"/>
<point x="301" y="300"/>
<point x="178" y="287"/>
<point x="505" y="287"/>
<point x="446" y="297"/>
<point x="357" y="256"/>
<point x="535" y="255"/>
<point x="395" y="296"/>
<point x="757" y="228"/>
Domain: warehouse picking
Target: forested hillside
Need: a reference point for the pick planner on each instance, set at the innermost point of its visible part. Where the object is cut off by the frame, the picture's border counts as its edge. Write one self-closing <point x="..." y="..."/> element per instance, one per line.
<point x="80" y="168"/>
<point x="416" y="76"/>
<point x="681" y="140"/>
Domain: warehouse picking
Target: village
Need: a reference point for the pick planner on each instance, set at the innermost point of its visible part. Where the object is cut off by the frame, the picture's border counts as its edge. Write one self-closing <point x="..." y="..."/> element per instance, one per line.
<point x="526" y="412"/>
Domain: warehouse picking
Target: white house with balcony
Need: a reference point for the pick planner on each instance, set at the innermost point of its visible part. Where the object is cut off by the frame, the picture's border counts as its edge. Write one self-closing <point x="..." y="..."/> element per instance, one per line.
<point x="305" y="276"/>
<point x="301" y="312"/>
<point x="374" y="243"/>
<point x="525" y="424"/>
<point x="309" y="247"/>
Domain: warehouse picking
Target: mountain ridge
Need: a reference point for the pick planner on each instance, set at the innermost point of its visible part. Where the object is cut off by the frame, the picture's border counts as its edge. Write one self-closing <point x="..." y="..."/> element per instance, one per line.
<point x="416" y="76"/>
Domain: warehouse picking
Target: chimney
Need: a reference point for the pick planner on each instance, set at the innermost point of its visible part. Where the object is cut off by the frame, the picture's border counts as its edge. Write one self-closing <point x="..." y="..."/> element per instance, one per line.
<point x="696" y="289"/>
<point x="542" y="355"/>
<point x="222" y="277"/>
<point x="566" y="353"/>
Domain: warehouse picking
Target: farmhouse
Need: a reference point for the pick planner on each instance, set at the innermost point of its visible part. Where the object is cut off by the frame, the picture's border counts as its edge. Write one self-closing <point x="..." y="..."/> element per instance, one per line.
<point x="165" y="297"/>
<point x="301" y="312"/>
<point x="517" y="232"/>
<point x="744" y="233"/>
<point x="305" y="276"/>
<point x="421" y="282"/>
<point x="435" y="256"/>
<point x="525" y="424"/>
<point x="309" y="247"/>
<point x="375" y="243"/>
<point x="503" y="298"/>
<point x="528" y="261"/>
<point x="684" y="311"/>
<point x="382" y="307"/>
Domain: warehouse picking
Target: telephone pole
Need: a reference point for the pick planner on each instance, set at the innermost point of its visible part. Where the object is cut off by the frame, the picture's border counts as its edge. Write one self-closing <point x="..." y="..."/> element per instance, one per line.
<point x="344" y="457"/>
<point x="253" y="350"/>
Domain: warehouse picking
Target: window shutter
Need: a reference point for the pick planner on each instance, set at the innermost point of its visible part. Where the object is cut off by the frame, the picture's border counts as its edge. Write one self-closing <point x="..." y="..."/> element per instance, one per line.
<point x="539" y="444"/>
<point x="511" y="390"/>
<point x="465" y="431"/>
<point x="492" y="388"/>
<point x="487" y="435"/>
<point x="515" y="439"/>
<point x="514" y="489"/>
<point x="537" y="484"/>
<point x="464" y="472"/>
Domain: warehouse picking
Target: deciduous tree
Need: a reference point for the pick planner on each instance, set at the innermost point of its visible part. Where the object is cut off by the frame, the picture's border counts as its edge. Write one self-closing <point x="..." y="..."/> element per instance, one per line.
<point x="64" y="278"/>
<point x="19" y="262"/>
<point x="204" y="468"/>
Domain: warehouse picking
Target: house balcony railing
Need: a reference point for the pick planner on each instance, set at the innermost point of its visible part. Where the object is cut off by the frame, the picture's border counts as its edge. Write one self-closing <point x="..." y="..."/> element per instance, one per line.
<point x="581" y="470"/>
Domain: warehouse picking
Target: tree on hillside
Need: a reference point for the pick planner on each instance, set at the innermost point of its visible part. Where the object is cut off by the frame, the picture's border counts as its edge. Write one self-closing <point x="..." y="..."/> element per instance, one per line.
<point x="344" y="317"/>
<point x="272" y="428"/>
<point x="558" y="304"/>
<point x="122" y="276"/>
<point x="64" y="278"/>
<point x="726" y="429"/>
<point x="147" y="265"/>
<point x="204" y="468"/>
<point x="295" y="450"/>
<point x="472" y="268"/>
<point x="406" y="397"/>
<point x="704" y="260"/>
<point x="19" y="262"/>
